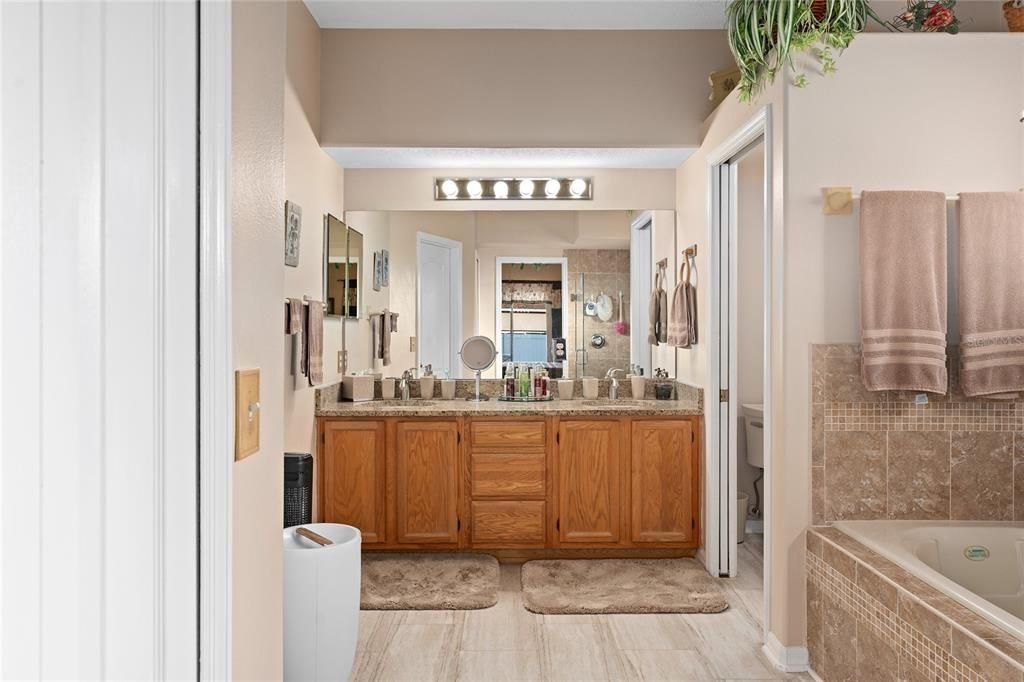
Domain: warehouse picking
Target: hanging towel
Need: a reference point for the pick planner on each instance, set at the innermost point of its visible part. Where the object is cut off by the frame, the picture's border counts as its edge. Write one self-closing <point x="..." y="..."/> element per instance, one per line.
<point x="903" y="291"/>
<point x="682" y="325"/>
<point x="293" y="327"/>
<point x="315" y="342"/>
<point x="385" y="337"/>
<point x="990" y="290"/>
<point x="376" y="329"/>
<point x="394" y="323"/>
<point x="658" y="312"/>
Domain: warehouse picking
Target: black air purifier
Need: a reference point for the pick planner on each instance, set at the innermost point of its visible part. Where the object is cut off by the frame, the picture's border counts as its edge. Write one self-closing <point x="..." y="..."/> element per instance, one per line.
<point x="298" y="488"/>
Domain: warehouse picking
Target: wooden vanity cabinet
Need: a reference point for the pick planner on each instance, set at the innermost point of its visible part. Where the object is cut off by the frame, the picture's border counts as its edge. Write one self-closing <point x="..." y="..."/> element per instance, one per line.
<point x="589" y="474"/>
<point x="425" y="468"/>
<point x="532" y="483"/>
<point x="351" y="476"/>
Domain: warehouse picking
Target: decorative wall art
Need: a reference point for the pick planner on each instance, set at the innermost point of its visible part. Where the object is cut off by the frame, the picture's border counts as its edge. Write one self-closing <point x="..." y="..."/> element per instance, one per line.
<point x="385" y="279"/>
<point x="292" y="233"/>
<point x="378" y="270"/>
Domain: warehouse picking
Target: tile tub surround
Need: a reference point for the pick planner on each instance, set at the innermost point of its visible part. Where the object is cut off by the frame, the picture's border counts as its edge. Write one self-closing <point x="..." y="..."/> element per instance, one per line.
<point x="604" y="270"/>
<point x="878" y="455"/>
<point x="869" y="619"/>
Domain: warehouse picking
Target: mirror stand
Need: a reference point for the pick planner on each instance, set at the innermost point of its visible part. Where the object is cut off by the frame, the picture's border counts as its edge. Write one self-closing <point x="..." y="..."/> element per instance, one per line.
<point x="477" y="397"/>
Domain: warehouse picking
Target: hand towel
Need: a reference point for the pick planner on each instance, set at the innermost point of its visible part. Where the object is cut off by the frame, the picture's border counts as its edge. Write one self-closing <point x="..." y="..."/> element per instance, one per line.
<point x="385" y="337"/>
<point x="903" y="291"/>
<point x="294" y="329"/>
<point x="990" y="293"/>
<point x="376" y="328"/>
<point x="658" y="312"/>
<point x="315" y="342"/>
<point x="682" y="323"/>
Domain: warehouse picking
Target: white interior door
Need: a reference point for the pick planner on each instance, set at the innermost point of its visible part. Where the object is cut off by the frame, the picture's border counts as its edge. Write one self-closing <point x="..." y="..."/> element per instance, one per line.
<point x="98" y="277"/>
<point x="439" y="303"/>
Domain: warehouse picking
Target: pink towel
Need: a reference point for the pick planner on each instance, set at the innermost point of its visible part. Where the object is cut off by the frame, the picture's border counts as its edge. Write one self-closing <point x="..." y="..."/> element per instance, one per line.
<point x="991" y="293"/>
<point x="903" y="291"/>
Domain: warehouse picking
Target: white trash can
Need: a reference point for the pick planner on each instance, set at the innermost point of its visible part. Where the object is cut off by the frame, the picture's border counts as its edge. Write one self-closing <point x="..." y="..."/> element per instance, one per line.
<point x="741" y="516"/>
<point x="321" y="602"/>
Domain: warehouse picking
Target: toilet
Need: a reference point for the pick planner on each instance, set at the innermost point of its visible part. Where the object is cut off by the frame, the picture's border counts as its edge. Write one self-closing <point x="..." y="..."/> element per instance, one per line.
<point x="753" y="418"/>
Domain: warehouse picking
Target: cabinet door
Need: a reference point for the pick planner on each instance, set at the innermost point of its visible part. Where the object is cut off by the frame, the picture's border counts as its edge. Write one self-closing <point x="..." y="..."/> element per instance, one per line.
<point x="662" y="480"/>
<point x="352" y="477"/>
<point x="588" y="470"/>
<point x="426" y="482"/>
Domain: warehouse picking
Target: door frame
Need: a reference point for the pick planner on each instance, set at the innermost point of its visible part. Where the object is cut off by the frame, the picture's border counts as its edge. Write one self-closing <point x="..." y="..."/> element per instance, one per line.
<point x="455" y="255"/>
<point x="216" y="390"/>
<point x="640" y="290"/>
<point x="720" y="457"/>
<point x="543" y="260"/>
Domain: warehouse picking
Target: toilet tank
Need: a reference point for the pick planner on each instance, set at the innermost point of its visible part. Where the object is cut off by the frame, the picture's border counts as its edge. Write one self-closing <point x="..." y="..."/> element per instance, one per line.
<point x="753" y="418"/>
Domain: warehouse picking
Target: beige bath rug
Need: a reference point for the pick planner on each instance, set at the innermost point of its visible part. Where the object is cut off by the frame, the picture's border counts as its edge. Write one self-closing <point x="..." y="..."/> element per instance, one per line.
<point x="620" y="586"/>
<point x="403" y="581"/>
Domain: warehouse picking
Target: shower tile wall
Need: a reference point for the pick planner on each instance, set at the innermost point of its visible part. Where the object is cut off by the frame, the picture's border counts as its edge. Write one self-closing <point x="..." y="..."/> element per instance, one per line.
<point x="604" y="270"/>
<point x="879" y="455"/>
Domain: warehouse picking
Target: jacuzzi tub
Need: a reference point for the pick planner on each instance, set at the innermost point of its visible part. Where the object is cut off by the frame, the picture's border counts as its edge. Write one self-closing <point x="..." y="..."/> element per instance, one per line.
<point x="978" y="563"/>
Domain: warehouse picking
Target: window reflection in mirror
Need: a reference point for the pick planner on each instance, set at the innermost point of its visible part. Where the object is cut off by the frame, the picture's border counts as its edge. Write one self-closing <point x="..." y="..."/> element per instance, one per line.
<point x="343" y="272"/>
<point x="532" y="326"/>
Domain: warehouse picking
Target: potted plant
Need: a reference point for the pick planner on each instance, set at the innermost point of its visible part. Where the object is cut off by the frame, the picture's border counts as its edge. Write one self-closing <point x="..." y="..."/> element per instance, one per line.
<point x="765" y="34"/>
<point x="1013" y="10"/>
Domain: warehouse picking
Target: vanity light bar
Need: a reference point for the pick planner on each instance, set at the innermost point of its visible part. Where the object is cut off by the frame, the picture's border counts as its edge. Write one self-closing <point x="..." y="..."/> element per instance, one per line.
<point x="507" y="189"/>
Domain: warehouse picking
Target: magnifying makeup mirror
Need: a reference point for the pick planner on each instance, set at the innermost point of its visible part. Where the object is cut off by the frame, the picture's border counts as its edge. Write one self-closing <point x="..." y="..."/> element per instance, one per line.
<point x="478" y="353"/>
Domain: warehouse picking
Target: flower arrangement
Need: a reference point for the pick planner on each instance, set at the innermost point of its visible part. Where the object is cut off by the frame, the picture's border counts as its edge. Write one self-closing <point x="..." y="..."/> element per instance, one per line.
<point x="928" y="16"/>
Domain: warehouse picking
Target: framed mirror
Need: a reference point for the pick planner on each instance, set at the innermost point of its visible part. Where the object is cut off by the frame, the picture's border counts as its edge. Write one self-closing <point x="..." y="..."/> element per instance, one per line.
<point x="343" y="271"/>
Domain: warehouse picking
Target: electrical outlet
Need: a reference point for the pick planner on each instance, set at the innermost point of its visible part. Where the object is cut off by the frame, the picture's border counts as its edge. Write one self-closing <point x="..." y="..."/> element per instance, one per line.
<point x="412" y="344"/>
<point x="342" y="361"/>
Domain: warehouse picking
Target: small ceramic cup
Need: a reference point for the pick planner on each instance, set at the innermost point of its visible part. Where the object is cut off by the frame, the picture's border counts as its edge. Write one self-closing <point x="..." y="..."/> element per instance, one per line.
<point x="387" y="388"/>
<point x="639" y="386"/>
<point x="565" y="389"/>
<point x="427" y="387"/>
<point x="590" y="388"/>
<point x="448" y="389"/>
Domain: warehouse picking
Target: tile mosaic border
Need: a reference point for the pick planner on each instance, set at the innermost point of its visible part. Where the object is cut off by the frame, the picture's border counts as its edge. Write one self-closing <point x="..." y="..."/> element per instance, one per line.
<point x="892" y="614"/>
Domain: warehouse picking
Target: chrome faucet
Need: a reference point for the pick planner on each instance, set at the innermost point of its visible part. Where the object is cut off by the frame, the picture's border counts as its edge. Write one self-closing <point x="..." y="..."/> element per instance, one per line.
<point x="613" y="390"/>
<point x="403" y="386"/>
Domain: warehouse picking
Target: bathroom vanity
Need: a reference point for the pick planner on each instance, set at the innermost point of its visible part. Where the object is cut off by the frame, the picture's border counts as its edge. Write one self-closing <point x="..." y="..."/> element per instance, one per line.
<point x="597" y="475"/>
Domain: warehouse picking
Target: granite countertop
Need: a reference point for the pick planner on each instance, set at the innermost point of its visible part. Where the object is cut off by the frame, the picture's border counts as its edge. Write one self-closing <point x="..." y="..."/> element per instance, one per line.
<point x="494" y="408"/>
<point x="688" y="401"/>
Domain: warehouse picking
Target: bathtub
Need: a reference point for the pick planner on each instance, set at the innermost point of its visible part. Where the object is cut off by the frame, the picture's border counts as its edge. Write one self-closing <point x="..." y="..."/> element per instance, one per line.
<point x="978" y="563"/>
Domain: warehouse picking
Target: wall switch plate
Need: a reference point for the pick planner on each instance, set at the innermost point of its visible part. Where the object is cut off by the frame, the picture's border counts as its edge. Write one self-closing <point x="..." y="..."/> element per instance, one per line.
<point x="247" y="412"/>
<point x="412" y="344"/>
<point x="342" y="361"/>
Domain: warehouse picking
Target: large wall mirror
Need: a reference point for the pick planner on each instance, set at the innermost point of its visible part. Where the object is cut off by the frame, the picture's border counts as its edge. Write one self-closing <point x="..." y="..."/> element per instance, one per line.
<point x="343" y="271"/>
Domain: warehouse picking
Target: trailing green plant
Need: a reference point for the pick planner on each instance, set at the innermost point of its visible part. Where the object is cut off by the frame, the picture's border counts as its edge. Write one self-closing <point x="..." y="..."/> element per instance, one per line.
<point x="765" y="34"/>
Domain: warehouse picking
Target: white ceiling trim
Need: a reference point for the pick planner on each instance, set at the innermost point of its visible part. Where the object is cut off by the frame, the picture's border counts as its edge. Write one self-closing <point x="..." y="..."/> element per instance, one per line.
<point x="525" y="158"/>
<point x="520" y="14"/>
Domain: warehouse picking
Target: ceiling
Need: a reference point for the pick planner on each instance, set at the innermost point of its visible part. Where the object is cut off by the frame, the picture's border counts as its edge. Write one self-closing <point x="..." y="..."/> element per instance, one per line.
<point x="537" y="158"/>
<point x="520" y="14"/>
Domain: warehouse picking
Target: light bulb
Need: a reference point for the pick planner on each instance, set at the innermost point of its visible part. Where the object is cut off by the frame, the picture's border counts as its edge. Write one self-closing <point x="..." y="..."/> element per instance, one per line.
<point x="526" y="188"/>
<point x="475" y="189"/>
<point x="577" y="187"/>
<point x="551" y="187"/>
<point x="449" y="188"/>
<point x="501" y="190"/>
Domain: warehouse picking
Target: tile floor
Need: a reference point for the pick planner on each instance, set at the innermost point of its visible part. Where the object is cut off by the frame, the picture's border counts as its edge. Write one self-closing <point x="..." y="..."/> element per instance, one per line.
<point x="507" y="642"/>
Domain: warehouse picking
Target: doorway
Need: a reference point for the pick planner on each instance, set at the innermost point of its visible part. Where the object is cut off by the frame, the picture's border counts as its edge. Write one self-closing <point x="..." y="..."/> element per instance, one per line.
<point x="438" y="304"/>
<point x="740" y="303"/>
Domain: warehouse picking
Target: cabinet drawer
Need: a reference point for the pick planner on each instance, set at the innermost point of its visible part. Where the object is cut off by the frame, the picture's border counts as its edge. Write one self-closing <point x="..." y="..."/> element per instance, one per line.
<point x="508" y="475"/>
<point x="508" y="433"/>
<point x="515" y="523"/>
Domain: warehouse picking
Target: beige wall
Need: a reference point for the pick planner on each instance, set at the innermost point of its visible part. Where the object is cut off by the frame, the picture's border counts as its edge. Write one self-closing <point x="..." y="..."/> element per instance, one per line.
<point x="495" y="88"/>
<point x="920" y="137"/>
<point x="413" y="190"/>
<point x="258" y="58"/>
<point x="315" y="182"/>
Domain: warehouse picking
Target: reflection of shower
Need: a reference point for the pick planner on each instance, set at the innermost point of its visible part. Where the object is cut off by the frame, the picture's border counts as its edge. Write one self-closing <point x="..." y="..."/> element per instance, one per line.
<point x="526" y="333"/>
